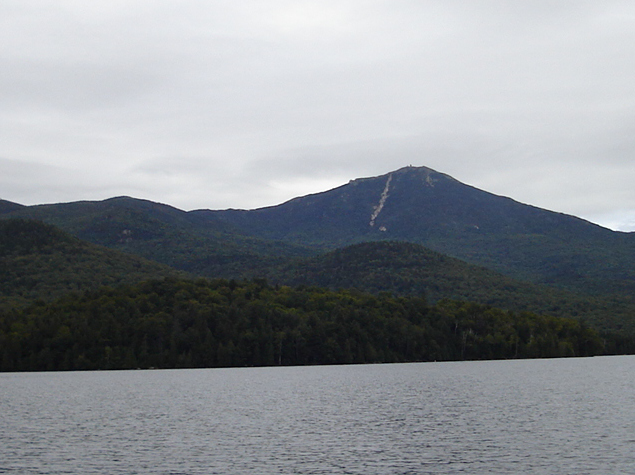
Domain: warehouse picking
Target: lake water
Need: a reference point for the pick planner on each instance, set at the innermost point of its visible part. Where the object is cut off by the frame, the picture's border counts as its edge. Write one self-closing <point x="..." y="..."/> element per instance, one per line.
<point x="559" y="416"/>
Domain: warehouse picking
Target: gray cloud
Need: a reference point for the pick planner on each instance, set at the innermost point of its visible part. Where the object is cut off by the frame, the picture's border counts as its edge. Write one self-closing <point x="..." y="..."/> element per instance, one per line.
<point x="246" y="104"/>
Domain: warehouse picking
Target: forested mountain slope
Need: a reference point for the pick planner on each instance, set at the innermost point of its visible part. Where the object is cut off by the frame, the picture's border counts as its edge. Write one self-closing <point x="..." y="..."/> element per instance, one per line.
<point x="41" y="262"/>
<point x="164" y="234"/>
<point x="410" y="269"/>
<point x="8" y="206"/>
<point x="426" y="207"/>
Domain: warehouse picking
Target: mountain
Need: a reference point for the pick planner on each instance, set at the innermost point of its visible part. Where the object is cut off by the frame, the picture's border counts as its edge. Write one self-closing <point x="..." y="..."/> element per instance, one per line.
<point x="423" y="206"/>
<point x="163" y="234"/>
<point x="8" y="206"/>
<point x="413" y="204"/>
<point x="41" y="262"/>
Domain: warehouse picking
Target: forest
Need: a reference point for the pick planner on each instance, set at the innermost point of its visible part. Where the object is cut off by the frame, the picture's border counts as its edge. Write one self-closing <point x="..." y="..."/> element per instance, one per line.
<point x="180" y="323"/>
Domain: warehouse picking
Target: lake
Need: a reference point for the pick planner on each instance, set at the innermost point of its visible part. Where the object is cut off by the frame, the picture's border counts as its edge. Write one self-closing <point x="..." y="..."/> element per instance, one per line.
<point x="557" y="416"/>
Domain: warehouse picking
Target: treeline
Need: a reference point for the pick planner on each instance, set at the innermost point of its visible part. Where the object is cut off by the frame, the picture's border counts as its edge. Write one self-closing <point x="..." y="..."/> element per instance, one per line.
<point x="181" y="324"/>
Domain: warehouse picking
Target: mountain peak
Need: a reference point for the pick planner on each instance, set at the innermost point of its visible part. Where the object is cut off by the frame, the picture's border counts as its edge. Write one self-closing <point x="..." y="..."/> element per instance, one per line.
<point x="428" y="175"/>
<point x="414" y="169"/>
<point x="421" y="205"/>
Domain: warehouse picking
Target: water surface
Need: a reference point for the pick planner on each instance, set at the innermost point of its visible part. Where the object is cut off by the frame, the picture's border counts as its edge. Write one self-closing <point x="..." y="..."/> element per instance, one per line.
<point x="559" y="416"/>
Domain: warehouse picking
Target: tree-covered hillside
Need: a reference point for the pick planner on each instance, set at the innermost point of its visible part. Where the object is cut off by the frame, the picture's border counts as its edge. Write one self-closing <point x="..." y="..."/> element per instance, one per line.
<point x="39" y="261"/>
<point x="163" y="234"/>
<point x="9" y="206"/>
<point x="408" y="269"/>
<point x="177" y="323"/>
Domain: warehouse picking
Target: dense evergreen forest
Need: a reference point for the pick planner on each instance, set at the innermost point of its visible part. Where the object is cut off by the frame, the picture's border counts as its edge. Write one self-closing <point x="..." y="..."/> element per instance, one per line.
<point x="176" y="323"/>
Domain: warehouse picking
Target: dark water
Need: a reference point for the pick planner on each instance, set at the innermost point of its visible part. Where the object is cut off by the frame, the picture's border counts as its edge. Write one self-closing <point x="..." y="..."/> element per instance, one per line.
<point x="562" y="416"/>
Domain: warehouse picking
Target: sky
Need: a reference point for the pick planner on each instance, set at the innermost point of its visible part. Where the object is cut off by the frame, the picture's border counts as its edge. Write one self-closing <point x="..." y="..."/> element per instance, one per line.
<point x="244" y="104"/>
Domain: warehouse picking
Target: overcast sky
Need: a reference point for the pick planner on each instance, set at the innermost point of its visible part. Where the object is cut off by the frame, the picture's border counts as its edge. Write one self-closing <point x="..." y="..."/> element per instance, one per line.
<point x="244" y="104"/>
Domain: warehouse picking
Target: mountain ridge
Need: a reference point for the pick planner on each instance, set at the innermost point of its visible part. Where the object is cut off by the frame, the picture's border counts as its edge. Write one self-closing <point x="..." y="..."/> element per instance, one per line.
<point x="502" y="275"/>
<point x="423" y="206"/>
<point x="411" y="204"/>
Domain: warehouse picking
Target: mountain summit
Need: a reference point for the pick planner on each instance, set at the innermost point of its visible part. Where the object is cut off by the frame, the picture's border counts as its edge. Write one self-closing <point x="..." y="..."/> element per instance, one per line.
<point x="421" y="205"/>
<point x="412" y="204"/>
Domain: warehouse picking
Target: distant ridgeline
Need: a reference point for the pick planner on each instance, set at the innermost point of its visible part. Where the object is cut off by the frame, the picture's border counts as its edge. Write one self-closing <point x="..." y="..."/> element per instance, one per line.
<point x="181" y="324"/>
<point x="413" y="239"/>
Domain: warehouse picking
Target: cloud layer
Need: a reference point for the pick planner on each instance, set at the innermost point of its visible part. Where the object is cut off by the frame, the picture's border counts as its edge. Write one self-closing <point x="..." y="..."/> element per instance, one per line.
<point x="246" y="104"/>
